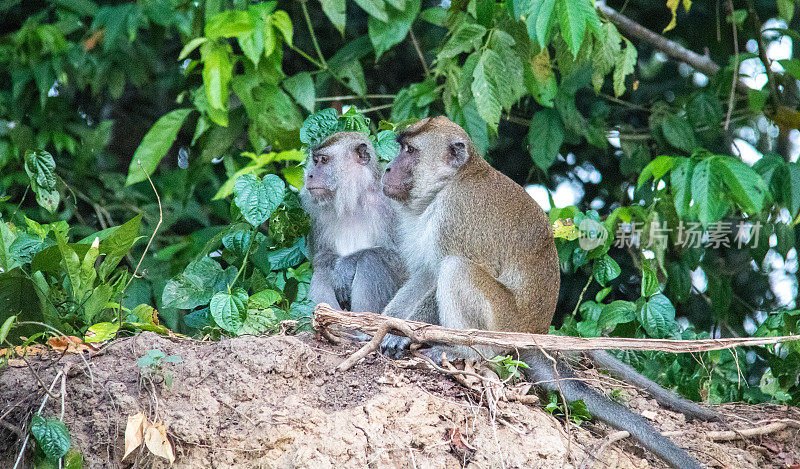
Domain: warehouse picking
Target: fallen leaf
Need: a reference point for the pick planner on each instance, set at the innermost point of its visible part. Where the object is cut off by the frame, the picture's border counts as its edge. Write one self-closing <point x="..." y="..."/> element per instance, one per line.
<point x="650" y="415"/>
<point x="30" y="350"/>
<point x="134" y="432"/>
<point x="69" y="344"/>
<point x="155" y="438"/>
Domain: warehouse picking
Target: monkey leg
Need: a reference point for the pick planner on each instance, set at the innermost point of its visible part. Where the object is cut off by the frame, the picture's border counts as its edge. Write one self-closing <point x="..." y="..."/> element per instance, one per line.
<point x="469" y="297"/>
<point x="416" y="300"/>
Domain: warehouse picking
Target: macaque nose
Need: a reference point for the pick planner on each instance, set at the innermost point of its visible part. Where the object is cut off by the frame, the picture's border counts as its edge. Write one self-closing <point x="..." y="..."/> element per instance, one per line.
<point x="311" y="175"/>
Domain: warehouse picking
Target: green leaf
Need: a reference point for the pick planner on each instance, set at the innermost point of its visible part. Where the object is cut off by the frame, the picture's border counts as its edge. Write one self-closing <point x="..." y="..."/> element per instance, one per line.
<point x="280" y="19"/>
<point x="786" y="9"/>
<point x="705" y="109"/>
<point x="605" y="270"/>
<point x="708" y="193"/>
<point x="623" y="67"/>
<point x="650" y="284"/>
<point x="336" y="11"/>
<point x="258" y="199"/>
<point x="71" y="264"/>
<point x="375" y="8"/>
<point x="301" y="87"/>
<point x="746" y="186"/>
<point x="616" y="312"/>
<point x="228" y="309"/>
<point x="657" y="316"/>
<point x="6" y="328"/>
<point x="605" y="55"/>
<point x="573" y="17"/>
<point x="287" y="257"/>
<point x="190" y="46"/>
<point x="217" y="73"/>
<point x="486" y="87"/>
<point x="319" y="126"/>
<point x="101" y="332"/>
<point x="794" y="184"/>
<point x="229" y="23"/>
<point x="52" y="436"/>
<point x="196" y="284"/>
<point x="353" y="121"/>
<point x="467" y="38"/>
<point x="41" y="168"/>
<point x="656" y="169"/>
<point x="678" y="132"/>
<point x="252" y="43"/>
<point x="293" y="175"/>
<point x="545" y="136"/>
<point x="386" y="145"/>
<point x="264" y="299"/>
<point x="540" y="20"/>
<point x="681" y="185"/>
<point x="385" y="34"/>
<point x="155" y="145"/>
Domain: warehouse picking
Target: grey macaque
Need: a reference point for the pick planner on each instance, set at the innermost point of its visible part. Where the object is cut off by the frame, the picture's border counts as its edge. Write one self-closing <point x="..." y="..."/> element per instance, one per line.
<point x="352" y="240"/>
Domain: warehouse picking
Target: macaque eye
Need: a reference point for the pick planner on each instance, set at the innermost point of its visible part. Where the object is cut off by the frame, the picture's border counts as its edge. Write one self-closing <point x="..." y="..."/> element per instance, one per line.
<point x="411" y="150"/>
<point x="324" y="160"/>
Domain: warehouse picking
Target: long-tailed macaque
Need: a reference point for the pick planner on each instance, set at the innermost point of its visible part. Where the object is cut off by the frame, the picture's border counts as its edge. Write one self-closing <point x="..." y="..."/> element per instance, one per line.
<point x="353" y="242"/>
<point x="481" y="254"/>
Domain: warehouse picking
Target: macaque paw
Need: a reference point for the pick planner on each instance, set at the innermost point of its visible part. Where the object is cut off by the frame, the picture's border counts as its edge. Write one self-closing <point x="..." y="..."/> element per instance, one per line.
<point x="393" y="346"/>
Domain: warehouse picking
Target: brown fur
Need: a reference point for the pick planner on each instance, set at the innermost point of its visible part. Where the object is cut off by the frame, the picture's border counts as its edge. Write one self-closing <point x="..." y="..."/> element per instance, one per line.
<point x="488" y="220"/>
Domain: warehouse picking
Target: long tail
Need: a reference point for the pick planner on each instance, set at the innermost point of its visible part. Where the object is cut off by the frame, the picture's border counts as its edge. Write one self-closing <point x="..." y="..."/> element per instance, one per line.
<point x="620" y="417"/>
<point x="665" y="397"/>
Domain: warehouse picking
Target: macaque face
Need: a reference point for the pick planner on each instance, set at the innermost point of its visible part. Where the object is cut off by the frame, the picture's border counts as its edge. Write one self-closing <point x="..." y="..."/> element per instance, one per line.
<point x="431" y="152"/>
<point x="343" y="159"/>
<point x="398" y="179"/>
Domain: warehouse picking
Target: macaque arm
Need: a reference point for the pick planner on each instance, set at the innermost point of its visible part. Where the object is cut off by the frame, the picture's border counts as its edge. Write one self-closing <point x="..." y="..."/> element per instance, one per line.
<point x="410" y="297"/>
<point x="543" y="372"/>
<point x="665" y="397"/>
<point x="321" y="288"/>
<point x="377" y="275"/>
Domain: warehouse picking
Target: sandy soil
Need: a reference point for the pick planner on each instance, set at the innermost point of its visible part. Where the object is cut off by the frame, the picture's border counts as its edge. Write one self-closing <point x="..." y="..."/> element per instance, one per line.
<point x="275" y="402"/>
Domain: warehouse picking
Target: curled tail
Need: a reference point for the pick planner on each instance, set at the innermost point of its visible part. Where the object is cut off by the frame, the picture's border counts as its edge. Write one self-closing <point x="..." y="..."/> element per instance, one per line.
<point x="541" y="371"/>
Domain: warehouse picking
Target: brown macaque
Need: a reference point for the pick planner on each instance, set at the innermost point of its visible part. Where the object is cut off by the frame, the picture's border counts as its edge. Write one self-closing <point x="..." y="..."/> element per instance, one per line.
<point x="481" y="254"/>
<point x="352" y="240"/>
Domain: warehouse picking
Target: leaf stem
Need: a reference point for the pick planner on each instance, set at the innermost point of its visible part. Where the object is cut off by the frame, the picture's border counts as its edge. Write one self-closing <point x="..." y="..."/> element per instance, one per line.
<point x="313" y="34"/>
<point x="246" y="255"/>
<point x="307" y="57"/>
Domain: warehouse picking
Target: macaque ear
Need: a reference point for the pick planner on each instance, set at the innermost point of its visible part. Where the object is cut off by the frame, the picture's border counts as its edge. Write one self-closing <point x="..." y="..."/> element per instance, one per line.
<point x="362" y="152"/>
<point x="458" y="154"/>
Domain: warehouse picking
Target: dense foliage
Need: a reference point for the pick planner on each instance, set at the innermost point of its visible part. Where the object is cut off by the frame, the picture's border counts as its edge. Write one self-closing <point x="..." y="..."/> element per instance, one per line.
<point x="677" y="197"/>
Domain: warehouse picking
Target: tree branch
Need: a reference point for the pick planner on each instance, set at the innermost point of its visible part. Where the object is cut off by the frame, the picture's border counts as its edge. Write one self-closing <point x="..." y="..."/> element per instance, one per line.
<point x="326" y="317"/>
<point x="632" y="29"/>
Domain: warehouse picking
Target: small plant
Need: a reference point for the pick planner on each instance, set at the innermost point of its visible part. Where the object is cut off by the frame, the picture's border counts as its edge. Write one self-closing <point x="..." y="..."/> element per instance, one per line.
<point x="578" y="413"/>
<point x="506" y="367"/>
<point x="153" y="365"/>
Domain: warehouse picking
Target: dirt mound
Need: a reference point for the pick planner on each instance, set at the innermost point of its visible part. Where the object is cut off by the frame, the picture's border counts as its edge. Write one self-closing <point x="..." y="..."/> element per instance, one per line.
<point x="274" y="402"/>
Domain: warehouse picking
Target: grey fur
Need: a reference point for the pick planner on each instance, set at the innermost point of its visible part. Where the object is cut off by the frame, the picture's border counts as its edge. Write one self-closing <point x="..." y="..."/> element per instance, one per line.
<point x="352" y="241"/>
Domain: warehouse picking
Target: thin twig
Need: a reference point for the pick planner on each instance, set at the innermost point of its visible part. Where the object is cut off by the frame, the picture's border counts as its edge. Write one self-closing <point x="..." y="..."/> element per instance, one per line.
<point x="377" y="108"/>
<point x="313" y="34"/>
<point x="729" y="9"/>
<point x="149" y="242"/>
<point x="354" y="96"/>
<point x="583" y="292"/>
<point x="419" y="52"/>
<point x="762" y="54"/>
<point x="44" y="401"/>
